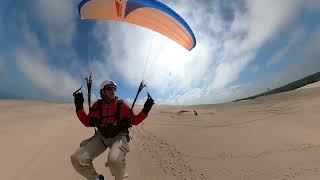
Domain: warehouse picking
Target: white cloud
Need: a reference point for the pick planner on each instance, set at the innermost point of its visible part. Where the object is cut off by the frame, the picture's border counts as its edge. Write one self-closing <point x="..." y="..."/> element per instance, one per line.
<point x="31" y="61"/>
<point x="249" y="31"/>
<point x="190" y="97"/>
<point x="296" y="37"/>
<point x="255" y="68"/>
<point x="305" y="63"/>
<point x="2" y="63"/>
<point x="280" y="55"/>
<point x="201" y="96"/>
<point x="56" y="81"/>
<point x="313" y="5"/>
<point x="168" y="64"/>
<point x="229" y="70"/>
<point x="261" y="22"/>
<point x="58" y="19"/>
<point x="309" y="58"/>
<point x="139" y="101"/>
<point x="224" y="48"/>
<point x="257" y="27"/>
<point x="1" y="30"/>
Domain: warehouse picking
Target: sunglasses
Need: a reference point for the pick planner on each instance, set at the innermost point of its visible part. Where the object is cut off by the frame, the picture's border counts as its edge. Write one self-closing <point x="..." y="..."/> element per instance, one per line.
<point x="110" y="88"/>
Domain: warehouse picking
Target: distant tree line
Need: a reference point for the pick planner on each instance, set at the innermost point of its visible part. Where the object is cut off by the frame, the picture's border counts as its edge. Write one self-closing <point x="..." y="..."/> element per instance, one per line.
<point x="294" y="85"/>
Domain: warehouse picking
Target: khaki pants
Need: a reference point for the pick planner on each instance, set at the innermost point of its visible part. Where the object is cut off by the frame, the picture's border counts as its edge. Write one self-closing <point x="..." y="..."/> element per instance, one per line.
<point x="90" y="148"/>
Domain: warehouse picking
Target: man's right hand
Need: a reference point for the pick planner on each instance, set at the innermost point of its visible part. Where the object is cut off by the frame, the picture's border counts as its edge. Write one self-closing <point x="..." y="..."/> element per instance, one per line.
<point x="78" y="101"/>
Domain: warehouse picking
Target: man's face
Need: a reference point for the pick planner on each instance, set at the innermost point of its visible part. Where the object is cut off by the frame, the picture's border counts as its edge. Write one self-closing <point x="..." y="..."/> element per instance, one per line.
<point x="109" y="92"/>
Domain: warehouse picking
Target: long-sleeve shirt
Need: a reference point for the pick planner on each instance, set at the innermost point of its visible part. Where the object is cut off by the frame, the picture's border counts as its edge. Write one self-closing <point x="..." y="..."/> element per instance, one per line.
<point x="108" y="111"/>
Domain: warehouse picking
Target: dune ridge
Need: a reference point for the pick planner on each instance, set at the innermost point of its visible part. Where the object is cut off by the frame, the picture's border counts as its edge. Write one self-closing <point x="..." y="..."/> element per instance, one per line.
<point x="269" y="137"/>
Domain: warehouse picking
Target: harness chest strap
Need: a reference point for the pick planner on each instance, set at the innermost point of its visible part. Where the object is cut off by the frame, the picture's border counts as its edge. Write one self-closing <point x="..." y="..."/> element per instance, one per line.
<point x="116" y="115"/>
<point x="101" y="117"/>
<point x="111" y="130"/>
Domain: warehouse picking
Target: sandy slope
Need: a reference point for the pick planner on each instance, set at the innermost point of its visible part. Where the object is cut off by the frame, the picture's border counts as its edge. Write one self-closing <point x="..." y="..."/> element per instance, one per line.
<point x="274" y="137"/>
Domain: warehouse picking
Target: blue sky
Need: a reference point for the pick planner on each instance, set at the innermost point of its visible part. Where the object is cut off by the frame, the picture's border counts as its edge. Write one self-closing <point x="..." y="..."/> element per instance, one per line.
<point x="243" y="48"/>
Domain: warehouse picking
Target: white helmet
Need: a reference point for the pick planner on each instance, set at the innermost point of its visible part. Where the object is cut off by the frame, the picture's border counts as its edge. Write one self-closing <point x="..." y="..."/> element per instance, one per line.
<point x="108" y="83"/>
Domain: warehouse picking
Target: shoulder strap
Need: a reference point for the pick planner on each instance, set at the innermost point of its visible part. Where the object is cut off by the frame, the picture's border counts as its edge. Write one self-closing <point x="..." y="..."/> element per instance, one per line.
<point x="100" y="112"/>
<point x="116" y="115"/>
<point x="118" y="112"/>
<point x="94" y="107"/>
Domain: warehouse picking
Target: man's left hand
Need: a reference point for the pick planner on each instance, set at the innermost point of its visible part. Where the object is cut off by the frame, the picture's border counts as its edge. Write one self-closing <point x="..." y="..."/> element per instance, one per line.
<point x="148" y="104"/>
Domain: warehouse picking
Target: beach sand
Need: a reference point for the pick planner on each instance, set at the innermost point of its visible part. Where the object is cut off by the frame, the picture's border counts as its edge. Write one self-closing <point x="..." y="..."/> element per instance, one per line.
<point x="274" y="137"/>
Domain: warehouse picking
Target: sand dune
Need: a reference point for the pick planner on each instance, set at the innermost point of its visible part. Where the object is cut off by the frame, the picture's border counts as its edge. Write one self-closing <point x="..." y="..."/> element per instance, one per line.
<point x="272" y="137"/>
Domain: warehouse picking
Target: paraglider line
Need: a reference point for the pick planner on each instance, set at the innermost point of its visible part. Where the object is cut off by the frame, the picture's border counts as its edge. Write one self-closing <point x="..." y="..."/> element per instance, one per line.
<point x="157" y="59"/>
<point x="148" y="55"/>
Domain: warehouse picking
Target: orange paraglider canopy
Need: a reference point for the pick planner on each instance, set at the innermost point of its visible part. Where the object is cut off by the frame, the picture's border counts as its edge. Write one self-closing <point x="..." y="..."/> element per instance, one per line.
<point x="150" y="14"/>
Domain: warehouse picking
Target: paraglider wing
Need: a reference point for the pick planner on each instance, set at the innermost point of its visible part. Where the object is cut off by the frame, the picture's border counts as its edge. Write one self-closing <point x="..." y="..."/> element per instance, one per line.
<point x="150" y="14"/>
<point x="183" y="111"/>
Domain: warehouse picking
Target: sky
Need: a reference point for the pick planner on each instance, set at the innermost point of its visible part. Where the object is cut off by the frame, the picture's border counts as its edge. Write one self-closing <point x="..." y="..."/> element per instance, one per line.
<point x="244" y="47"/>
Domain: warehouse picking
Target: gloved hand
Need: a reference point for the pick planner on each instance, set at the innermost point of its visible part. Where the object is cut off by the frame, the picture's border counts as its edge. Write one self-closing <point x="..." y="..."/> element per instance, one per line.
<point x="148" y="104"/>
<point x="78" y="101"/>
